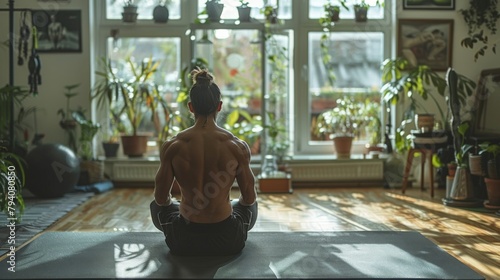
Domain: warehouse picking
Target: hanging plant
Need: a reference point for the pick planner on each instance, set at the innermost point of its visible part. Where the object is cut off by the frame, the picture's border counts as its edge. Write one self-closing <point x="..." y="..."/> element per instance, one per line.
<point x="327" y="22"/>
<point x="480" y="16"/>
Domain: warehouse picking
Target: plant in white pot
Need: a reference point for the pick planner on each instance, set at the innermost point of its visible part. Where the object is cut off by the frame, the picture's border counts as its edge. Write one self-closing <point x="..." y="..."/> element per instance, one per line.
<point x="341" y="124"/>
<point x="131" y="100"/>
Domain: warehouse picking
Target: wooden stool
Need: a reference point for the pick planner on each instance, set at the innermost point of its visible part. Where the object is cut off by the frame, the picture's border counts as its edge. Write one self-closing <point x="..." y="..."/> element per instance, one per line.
<point x="411" y="154"/>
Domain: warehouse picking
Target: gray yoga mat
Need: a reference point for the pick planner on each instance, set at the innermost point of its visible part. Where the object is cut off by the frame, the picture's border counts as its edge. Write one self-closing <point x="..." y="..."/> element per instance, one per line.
<point x="354" y="255"/>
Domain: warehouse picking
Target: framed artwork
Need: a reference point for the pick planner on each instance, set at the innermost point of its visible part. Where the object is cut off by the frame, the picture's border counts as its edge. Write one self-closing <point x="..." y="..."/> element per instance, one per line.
<point x="58" y="31"/>
<point x="426" y="41"/>
<point x="429" y="4"/>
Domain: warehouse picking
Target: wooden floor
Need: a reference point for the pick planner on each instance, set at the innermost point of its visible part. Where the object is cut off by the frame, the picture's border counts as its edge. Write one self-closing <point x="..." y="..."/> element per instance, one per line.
<point x="471" y="236"/>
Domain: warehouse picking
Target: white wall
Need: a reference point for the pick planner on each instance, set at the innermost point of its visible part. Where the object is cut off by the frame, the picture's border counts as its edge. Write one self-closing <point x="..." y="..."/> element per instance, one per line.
<point x="57" y="71"/>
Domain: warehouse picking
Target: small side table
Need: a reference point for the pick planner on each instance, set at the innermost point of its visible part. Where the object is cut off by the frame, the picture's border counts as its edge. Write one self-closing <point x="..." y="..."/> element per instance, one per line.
<point x="426" y="153"/>
<point x="275" y="184"/>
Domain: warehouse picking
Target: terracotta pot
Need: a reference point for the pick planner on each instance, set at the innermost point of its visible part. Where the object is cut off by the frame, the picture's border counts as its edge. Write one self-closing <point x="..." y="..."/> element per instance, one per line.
<point x="424" y="122"/>
<point x="134" y="145"/>
<point x="343" y="146"/>
<point x="452" y="169"/>
<point x="492" y="170"/>
<point x="493" y="190"/>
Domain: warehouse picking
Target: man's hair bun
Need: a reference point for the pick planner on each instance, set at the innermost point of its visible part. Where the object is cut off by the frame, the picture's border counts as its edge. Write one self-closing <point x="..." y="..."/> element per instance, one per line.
<point x="201" y="76"/>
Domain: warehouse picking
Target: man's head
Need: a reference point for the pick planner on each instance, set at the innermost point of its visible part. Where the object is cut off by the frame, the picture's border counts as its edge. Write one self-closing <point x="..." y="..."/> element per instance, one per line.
<point x="204" y="95"/>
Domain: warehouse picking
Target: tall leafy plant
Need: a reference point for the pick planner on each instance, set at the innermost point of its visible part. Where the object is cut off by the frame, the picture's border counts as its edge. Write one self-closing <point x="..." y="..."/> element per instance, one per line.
<point x="131" y="98"/>
<point x="400" y="80"/>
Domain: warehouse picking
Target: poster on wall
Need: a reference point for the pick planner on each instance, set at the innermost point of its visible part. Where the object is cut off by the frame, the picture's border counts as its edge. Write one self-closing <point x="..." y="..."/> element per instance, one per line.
<point x="58" y="31"/>
<point x="426" y="42"/>
<point x="429" y="4"/>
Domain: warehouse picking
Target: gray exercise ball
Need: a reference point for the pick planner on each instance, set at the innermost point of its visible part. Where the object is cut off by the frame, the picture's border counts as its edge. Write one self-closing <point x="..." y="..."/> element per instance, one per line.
<point x="53" y="170"/>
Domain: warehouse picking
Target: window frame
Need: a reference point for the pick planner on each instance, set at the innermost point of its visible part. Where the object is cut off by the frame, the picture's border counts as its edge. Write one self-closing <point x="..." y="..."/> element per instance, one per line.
<point x="301" y="25"/>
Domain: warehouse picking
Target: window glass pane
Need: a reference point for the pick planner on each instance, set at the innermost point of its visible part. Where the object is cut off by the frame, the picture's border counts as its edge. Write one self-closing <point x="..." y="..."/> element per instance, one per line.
<point x="316" y="9"/>
<point x="356" y="60"/>
<point x="234" y="57"/>
<point x="165" y="51"/>
<point x="114" y="9"/>
<point x="230" y="8"/>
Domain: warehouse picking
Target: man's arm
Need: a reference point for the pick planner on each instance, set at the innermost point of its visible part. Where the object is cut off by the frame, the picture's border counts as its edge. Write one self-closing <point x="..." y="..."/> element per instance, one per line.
<point x="244" y="176"/>
<point x="164" y="176"/>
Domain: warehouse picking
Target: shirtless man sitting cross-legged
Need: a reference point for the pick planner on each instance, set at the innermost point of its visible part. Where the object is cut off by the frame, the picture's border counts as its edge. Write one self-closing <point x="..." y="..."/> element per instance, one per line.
<point x="204" y="159"/>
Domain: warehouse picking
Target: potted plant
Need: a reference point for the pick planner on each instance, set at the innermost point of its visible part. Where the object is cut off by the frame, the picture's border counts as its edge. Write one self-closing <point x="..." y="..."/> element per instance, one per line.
<point x="131" y="100"/>
<point x="129" y="13"/>
<point x="214" y="10"/>
<point x="491" y="164"/>
<point x="67" y="122"/>
<point x="161" y="12"/>
<point x="331" y="13"/>
<point x="244" y="126"/>
<point x="327" y="22"/>
<point x="373" y="125"/>
<point x="244" y="11"/>
<point x="91" y="170"/>
<point x="481" y="16"/>
<point x="271" y="14"/>
<point x="361" y="10"/>
<point x="341" y="124"/>
<point x="400" y="80"/>
<point x="12" y="180"/>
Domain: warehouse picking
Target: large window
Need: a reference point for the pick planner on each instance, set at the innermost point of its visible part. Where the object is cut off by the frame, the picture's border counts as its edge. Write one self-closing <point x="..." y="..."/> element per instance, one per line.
<point x="233" y="53"/>
<point x="356" y="60"/>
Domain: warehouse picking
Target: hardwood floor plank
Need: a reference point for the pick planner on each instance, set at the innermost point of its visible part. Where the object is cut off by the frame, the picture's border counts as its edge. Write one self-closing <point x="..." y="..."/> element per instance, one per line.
<point x="470" y="236"/>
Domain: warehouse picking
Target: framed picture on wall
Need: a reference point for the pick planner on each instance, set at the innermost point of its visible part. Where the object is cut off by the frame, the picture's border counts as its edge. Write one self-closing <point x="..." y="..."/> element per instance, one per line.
<point x="426" y="42"/>
<point x="429" y="4"/>
<point x="58" y="31"/>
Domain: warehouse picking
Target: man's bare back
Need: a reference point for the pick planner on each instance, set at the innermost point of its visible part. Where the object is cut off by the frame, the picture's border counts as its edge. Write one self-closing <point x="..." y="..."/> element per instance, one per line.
<point x="205" y="160"/>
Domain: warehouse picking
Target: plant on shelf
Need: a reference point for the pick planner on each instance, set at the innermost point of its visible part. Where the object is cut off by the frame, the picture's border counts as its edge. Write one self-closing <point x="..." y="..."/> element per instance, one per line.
<point x="213" y="9"/>
<point x="129" y="11"/>
<point x="361" y="10"/>
<point x="67" y="122"/>
<point x="342" y="124"/>
<point x="270" y="13"/>
<point x="331" y="14"/>
<point x="130" y="100"/>
<point x="400" y="80"/>
<point x="481" y="18"/>
<point x="161" y="12"/>
<point x="244" y="11"/>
